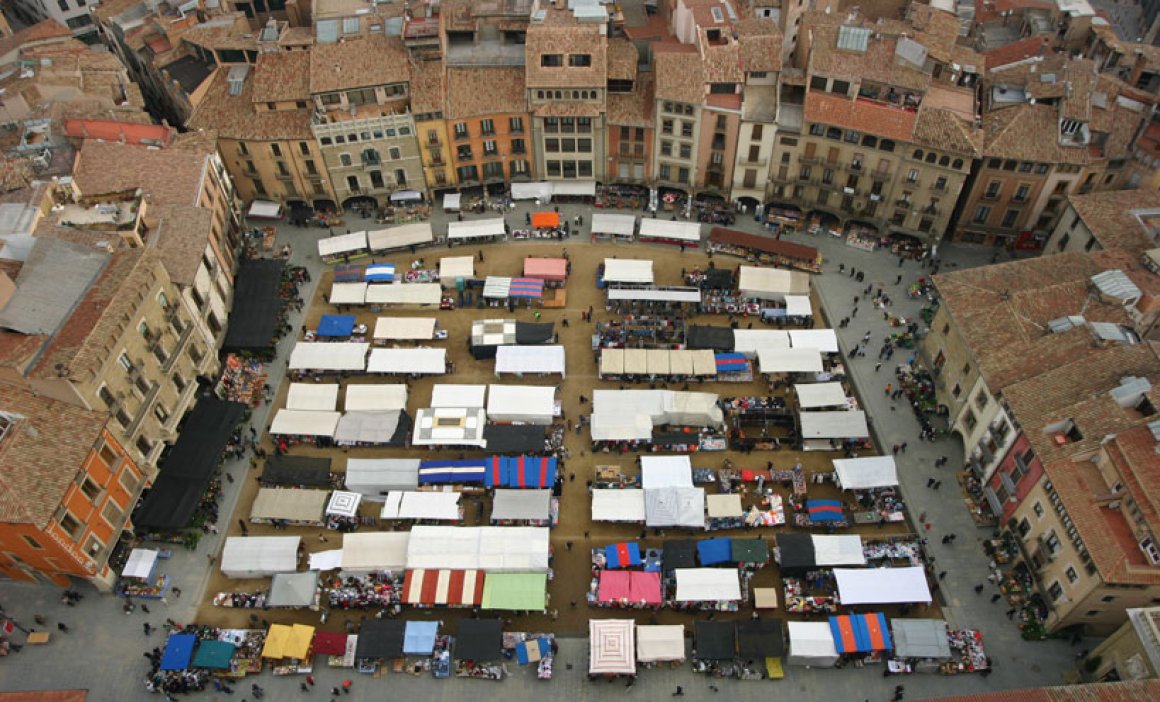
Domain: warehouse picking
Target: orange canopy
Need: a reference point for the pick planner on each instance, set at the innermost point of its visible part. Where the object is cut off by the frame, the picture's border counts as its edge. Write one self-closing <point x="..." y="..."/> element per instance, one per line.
<point x="545" y="220"/>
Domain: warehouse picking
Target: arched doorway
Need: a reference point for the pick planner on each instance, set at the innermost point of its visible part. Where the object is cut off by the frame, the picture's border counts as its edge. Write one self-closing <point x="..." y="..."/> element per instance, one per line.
<point x="819" y="221"/>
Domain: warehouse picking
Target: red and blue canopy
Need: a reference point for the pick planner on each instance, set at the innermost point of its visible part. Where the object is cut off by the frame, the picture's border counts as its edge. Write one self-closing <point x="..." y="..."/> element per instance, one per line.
<point x="824" y="510"/>
<point x="526" y="287"/>
<point x="348" y="274"/>
<point x="859" y="633"/>
<point x="731" y="362"/>
<point x="380" y="273"/>
<point x="450" y="472"/>
<point x="532" y="472"/>
<point x="622" y="555"/>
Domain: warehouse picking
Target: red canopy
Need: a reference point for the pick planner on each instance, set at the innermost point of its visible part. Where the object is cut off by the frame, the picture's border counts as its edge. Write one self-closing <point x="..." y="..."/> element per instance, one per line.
<point x="329" y="643"/>
<point x="545" y="220"/>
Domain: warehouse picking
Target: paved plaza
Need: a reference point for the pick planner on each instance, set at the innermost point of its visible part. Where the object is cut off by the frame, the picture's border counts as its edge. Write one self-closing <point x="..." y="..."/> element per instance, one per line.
<point x="103" y="651"/>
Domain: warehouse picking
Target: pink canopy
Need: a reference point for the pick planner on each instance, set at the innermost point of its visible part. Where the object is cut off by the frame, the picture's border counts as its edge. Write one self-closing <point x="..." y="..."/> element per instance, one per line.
<point x="546" y="268"/>
<point x="630" y="587"/>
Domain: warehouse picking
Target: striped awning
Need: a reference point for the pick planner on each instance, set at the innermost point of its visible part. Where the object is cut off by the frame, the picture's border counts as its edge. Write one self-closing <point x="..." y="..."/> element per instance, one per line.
<point x="450" y="588"/>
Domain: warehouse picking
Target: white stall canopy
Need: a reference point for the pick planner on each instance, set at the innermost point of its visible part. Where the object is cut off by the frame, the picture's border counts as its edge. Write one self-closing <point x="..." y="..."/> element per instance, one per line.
<point x="618" y="505"/>
<point x="493" y="332"/>
<point x="475" y="229"/>
<point x="921" y="638"/>
<point x="375" y="477"/>
<point x="264" y="209"/>
<point x="811" y="644"/>
<point x="382" y="397"/>
<point x="669" y="229"/>
<point x="834" y="425"/>
<point x="452" y="267"/>
<point x="425" y="361"/>
<point x="490" y="549"/>
<point x="660" y="406"/>
<point x="621" y="427"/>
<point x="811" y="395"/>
<point x="789" y="360"/>
<point x="290" y="422"/>
<point x="405" y="328"/>
<point x="343" y="503"/>
<point x="532" y="191"/>
<point x="374" y="428"/>
<point x="838" y="550"/>
<point x="245" y="557"/>
<point x="521" y="505"/>
<point x="798" y="306"/>
<point x="530" y="359"/>
<point x="366" y="551"/>
<point x="409" y="505"/>
<point x="675" y="507"/>
<point x="825" y="340"/>
<point x="406" y="196"/>
<point x="458" y="395"/>
<point x="312" y="396"/>
<point x="882" y="585"/>
<point x="451" y="202"/>
<point x="866" y="473"/>
<point x="655" y="294"/>
<point x="414" y="234"/>
<point x="405" y="294"/>
<point x="772" y="283"/>
<point x="707" y="585"/>
<point x="348" y="293"/>
<point x="574" y="188"/>
<point x="615" y="224"/>
<point x="750" y="341"/>
<point x="527" y="404"/>
<point x="497" y="287"/>
<point x="343" y="356"/>
<point x="660" y="642"/>
<point x="292" y="505"/>
<point x="450" y="426"/>
<point x="342" y="245"/>
<point x="140" y="564"/>
<point x="628" y="270"/>
<point x="723" y="506"/>
<point x="665" y="472"/>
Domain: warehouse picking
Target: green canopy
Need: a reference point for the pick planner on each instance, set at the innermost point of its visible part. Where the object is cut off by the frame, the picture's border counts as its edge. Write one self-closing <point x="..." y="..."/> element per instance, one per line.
<point x="213" y="654"/>
<point x="515" y="591"/>
<point x="750" y="551"/>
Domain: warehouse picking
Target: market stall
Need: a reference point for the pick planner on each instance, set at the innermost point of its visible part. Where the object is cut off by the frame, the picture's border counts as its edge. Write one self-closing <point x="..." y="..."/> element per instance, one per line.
<point x="724" y="511"/>
<point x="453" y="268"/>
<point x="247" y="557"/>
<point x="348" y="293"/>
<point x="257" y="308"/>
<point x="476" y="230"/>
<point x="478" y="646"/>
<point x="279" y="505"/>
<point x="529" y="404"/>
<point x="451" y="202"/>
<point x="512" y="439"/>
<point x="660" y="643"/>
<point x="819" y="428"/>
<point x="618" y="506"/>
<point x="811" y="644"/>
<point x="771" y="283"/>
<point x="533" y="507"/>
<point x="343" y="247"/>
<point x="490" y="549"/>
<point x="666" y="231"/>
<point x="312" y="397"/>
<point x="714" y="641"/>
<point x="824" y="340"/>
<point x="414" y="362"/>
<point x="401" y="237"/>
<point x="461" y="471"/>
<point x="866" y="473"/>
<point x="751" y="341"/>
<point x="443" y="588"/>
<point x="379" y="273"/>
<point x="791" y="360"/>
<point x="882" y="585"/>
<point x="678" y="553"/>
<point x="860" y="633"/>
<point x="375" y="477"/>
<point x="763" y="642"/>
<point x="178" y="652"/>
<point x="539" y="190"/>
<point x="291" y="422"/>
<point x="139" y="576"/>
<point x="611" y="647"/>
<point x="412" y="505"/>
<point x="405" y="294"/>
<point x="449" y="426"/>
<point x="720" y="587"/>
<point x="920" y="645"/>
<point x="294" y="590"/>
<point x="709" y="337"/>
<point x="521" y="472"/>
<point x="515" y="592"/>
<point x="329" y="358"/>
<point x="388" y="329"/>
<point x="765" y="249"/>
<point x="378" y="397"/>
<point x="520" y="360"/>
<point x="550" y="270"/>
<point x="814" y="395"/>
<point x="627" y="270"/>
<point x="379" y="641"/>
<point x="375" y="551"/>
<point x="619" y="227"/>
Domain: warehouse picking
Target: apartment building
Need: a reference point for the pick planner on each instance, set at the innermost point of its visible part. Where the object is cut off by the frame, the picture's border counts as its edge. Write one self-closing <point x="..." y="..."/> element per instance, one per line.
<point x="1128" y="220"/>
<point x="760" y="46"/>
<point x="489" y="126"/>
<point x="74" y="14"/>
<point x="67" y="493"/>
<point x="423" y="41"/>
<point x="1131" y="652"/>
<point x="631" y="99"/>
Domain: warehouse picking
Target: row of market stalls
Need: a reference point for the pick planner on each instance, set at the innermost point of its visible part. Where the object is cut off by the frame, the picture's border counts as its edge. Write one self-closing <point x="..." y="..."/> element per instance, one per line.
<point x="654" y="417"/>
<point x="355" y="245"/>
<point x="354" y="357"/>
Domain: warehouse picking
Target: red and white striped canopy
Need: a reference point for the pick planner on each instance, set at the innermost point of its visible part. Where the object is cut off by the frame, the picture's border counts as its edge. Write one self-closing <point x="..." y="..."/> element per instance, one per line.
<point x="451" y="588"/>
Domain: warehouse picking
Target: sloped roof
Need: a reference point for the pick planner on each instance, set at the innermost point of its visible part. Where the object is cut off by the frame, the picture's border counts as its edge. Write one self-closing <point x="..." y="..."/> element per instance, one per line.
<point x="428" y="87"/>
<point x="1108" y="215"/>
<point x="679" y="73"/>
<point x="1028" y="133"/>
<point x="944" y="129"/>
<point x="622" y="59"/>
<point x="168" y="176"/>
<point x="234" y="117"/>
<point x="634" y="109"/>
<point x="357" y="63"/>
<point x="860" y="115"/>
<point x="281" y="76"/>
<point x="51" y="282"/>
<point x="566" y="40"/>
<point x="475" y="92"/>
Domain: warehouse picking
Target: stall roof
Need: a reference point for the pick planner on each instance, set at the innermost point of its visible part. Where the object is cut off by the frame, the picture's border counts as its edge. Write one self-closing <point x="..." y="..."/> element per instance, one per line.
<point x="414" y="234"/>
<point x="257" y="303"/>
<point x="751" y="341"/>
<point x="715" y="641"/>
<point x="614" y="426"/>
<point x="772" y="283"/>
<point x="458" y="395"/>
<point x="456" y="588"/>
<point x="352" y="293"/>
<point x="533" y="333"/>
<point x="532" y="191"/>
<point x="669" y="229"/>
<point x="214" y="654"/>
<point x="618" y="224"/>
<point x="760" y="638"/>
<point x="296" y="470"/>
<point x="920" y="638"/>
<point x="405" y="328"/>
<point x="765" y="244"/>
<point x="660" y="642"/>
<point x="628" y="270"/>
<point x="427" y="361"/>
<point x="380" y="639"/>
<point x="439" y="506"/>
<point x="329" y="643"/>
<point x="520" y="505"/>
<point x="515" y="591"/>
<point x="811" y="643"/>
<point x="452" y="267"/>
<point x="140" y="564"/>
<point x="545" y="220"/>
<point x="798" y="306"/>
<point x="336" y="325"/>
<point x="791" y="360"/>
<point x="289" y="504"/>
<point x="611" y="361"/>
<point x="455" y="426"/>
<point x="530" y="359"/>
<point x="678" y="553"/>
<point x="490" y="549"/>
<point x="653" y="293"/>
<point x="795" y="552"/>
<point x="574" y="188"/>
<point x="493" y="332"/>
<point x="475" y="229"/>
<point x="479" y="640"/>
<point x="312" y="396"/>
<point x="451" y="202"/>
<point x="377" y="476"/>
<point x="379" y="397"/>
<point x="707" y="585"/>
<point x="709" y="337"/>
<point x="750" y="551"/>
<point x="834" y="425"/>
<point x="866" y="473"/>
<point x="617" y="505"/>
<point x="611" y="647"/>
<point x="523" y="472"/>
<point x="724" y="506"/>
<point x="178" y="651"/>
<point x="497" y="287"/>
<point x="291" y="422"/>
<point x="342" y="244"/>
<point x="455" y="472"/>
<point x="534" y="404"/>
<point x="374" y="550"/>
<point x="343" y="503"/>
<point x="824" y="340"/>
<point x="293" y="589"/>
<point x="666" y="471"/>
<point x="838" y="549"/>
<point x="546" y="268"/>
<point x="344" y="356"/>
<point x="858" y="633"/>
<point x="419" y="638"/>
<point x="405" y="294"/>
<point x="259" y="556"/>
<point x="811" y="395"/>
<point x="264" y="209"/>
<point x="712" y="552"/>
<point x="882" y="585"/>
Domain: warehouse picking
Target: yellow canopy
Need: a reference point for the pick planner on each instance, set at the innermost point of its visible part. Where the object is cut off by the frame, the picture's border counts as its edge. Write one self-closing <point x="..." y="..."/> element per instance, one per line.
<point x="773" y="668"/>
<point x="276" y="639"/>
<point x="298" y="645"/>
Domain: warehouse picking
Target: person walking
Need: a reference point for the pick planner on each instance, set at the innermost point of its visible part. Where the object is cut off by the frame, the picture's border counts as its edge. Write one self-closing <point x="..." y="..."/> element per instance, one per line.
<point x="62" y="627"/>
<point x="877" y="366"/>
<point x="680" y="692"/>
<point x="147" y="628"/>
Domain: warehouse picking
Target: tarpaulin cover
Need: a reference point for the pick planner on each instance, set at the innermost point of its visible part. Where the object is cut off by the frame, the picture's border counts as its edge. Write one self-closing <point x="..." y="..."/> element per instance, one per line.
<point x="811" y="395"/>
<point x="751" y="341"/>
<point x="417" y="360"/>
<point x="670" y="229"/>
<point x="479" y="640"/>
<point x="679" y="554"/>
<point x="288" y="641"/>
<point x="336" y="325"/>
<point x="380" y="638"/>
<point x="452" y="267"/>
<point x="374" y="551"/>
<point x="866" y="473"/>
<point x="920" y="638"/>
<point x="380" y="397"/>
<point x="312" y="396"/>
<point x="760" y="638"/>
<point x="451" y="202"/>
<point x="380" y="273"/>
<point x="259" y="556"/>
<point x="348" y="293"/>
<point x="707" y="585"/>
<point x="405" y="328"/>
<point x="765" y="244"/>
<point x="666" y="471"/>
<point x="440" y="506"/>
<point x="293" y="589"/>
<point x="458" y="395"/>
<point x="410" y="294"/>
<point x="343" y="503"/>
<point x="419" y="638"/>
<point x="781" y="360"/>
<point x="306" y="471"/>
<point x="297" y="422"/>
<point x="633" y="586"/>
<point x="515" y="591"/>
<point x="772" y="283"/>
<point x="494" y="549"/>
<point x="613" y="505"/>
<point x="526" y="359"/>
<point x="811" y="643"/>
<point x="706" y="337"/>
<point x="714" y="551"/>
<point x="377" y="476"/>
<point x="532" y="333"/>
<point x="716" y="279"/>
<point x="414" y="234"/>
<point x="628" y="270"/>
<point x="531" y="404"/>
<point x="824" y="510"/>
<point x="473" y="470"/>
<point x="660" y="642"/>
<point x="611" y="647"/>
<point x="715" y="641"/>
<point x="178" y="651"/>
<point x="545" y="220"/>
<point x="349" y="274"/>
<point x="532" y="191"/>
<point x="186" y="472"/>
<point x="455" y="588"/>
<point x="838" y="549"/>
<point x="882" y="585"/>
<point x="141" y="563"/>
<point x="514" y="438"/>
<point x="675" y="507"/>
<point x="526" y="288"/>
<point x="450" y="426"/>
<point x="824" y="340"/>
<point x="214" y="654"/>
<point x="546" y="268"/>
<point x="303" y="506"/>
<point x="750" y="551"/>
<point x="533" y="650"/>
<point x="329" y="643"/>
<point x="253" y="321"/>
<point x="521" y="505"/>
<point x="476" y="229"/>
<point x="731" y="362"/>
<point x="521" y="471"/>
<point x="622" y="555"/>
<point x="795" y="552"/>
<point x="618" y="224"/>
<point x="343" y="244"/>
<point x="834" y="425"/>
<point x="381" y="428"/>
<point x="859" y="633"/>
<point x="342" y="356"/>
<point x="798" y="306"/>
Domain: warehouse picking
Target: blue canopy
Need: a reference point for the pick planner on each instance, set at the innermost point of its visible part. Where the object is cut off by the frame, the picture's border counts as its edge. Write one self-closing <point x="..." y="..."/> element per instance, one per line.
<point x="622" y="555"/>
<point x="336" y="325"/>
<point x="730" y="362"/>
<point x="531" y="472"/>
<point x="714" y="551"/>
<point x="419" y="638"/>
<point x="541" y="646"/>
<point x="178" y="651"/>
<point x="472" y="470"/>
<point x="856" y="633"/>
<point x="380" y="273"/>
<point x="214" y="654"/>
<point x="825" y="510"/>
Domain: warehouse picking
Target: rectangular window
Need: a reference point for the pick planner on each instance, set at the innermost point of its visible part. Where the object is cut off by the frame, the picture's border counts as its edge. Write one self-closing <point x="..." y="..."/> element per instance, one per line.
<point x="276" y="150"/>
<point x="70" y="525"/>
<point x="516" y="125"/>
<point x="1009" y="218"/>
<point x="112" y="513"/>
<point x="32" y="543"/>
<point x="579" y="60"/>
<point x="982" y="214"/>
<point x="1072" y="575"/>
<point x="1055" y="590"/>
<point x="552" y="60"/>
<point x="90" y="489"/>
<point x="1038" y="509"/>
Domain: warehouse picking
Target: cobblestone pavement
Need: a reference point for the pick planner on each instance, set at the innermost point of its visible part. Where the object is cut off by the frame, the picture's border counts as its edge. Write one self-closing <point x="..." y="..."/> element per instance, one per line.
<point x="102" y="653"/>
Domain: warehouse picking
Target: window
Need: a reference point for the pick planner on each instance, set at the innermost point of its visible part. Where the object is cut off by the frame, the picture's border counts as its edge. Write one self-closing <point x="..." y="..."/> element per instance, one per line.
<point x="912" y="176"/>
<point x="461" y="130"/>
<point x="516" y="125"/>
<point x="1056" y="590"/>
<point x="886" y="145"/>
<point x="817" y="130"/>
<point x="276" y="150"/>
<point x="834" y="133"/>
<point x="1009" y="218"/>
<point x="1024" y="527"/>
<point x="967" y="369"/>
<point x="1053" y="543"/>
<point x="580" y="60"/>
<point x="686" y="151"/>
<point x="32" y="543"/>
<point x="683" y="175"/>
<point x="344" y="159"/>
<point x="982" y="214"/>
<point x="755" y="133"/>
<point x="130" y="481"/>
<point x="161" y="413"/>
<point x="687" y="130"/>
<point x="982" y="399"/>
<point x="663" y="172"/>
<point x="70" y="525"/>
<point x="958" y="164"/>
<point x="1108" y="598"/>
<point x="112" y="513"/>
<point x="394" y="152"/>
<point x="489" y="148"/>
<point x="90" y="489"/>
<point x="1022" y="193"/>
<point x="818" y="83"/>
<point x="940" y="183"/>
<point x="1072" y="575"/>
<point x="123" y="359"/>
<point x="552" y="60"/>
<point x="63" y="5"/>
<point x="554" y="168"/>
<point x="144" y="445"/>
<point x="1038" y="509"/>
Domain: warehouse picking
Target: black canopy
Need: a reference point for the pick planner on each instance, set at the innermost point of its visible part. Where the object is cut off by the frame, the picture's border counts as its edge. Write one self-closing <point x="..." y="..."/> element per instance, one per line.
<point x="760" y="638"/>
<point x="679" y="554"/>
<point x="380" y="638"/>
<point x="479" y="640"/>
<point x="514" y="438"/>
<point x="717" y="279"/>
<point x="530" y="333"/>
<point x="715" y="641"/>
<point x="186" y="472"/>
<point x="254" y="319"/>
<point x="402" y="429"/>
<point x="709" y="337"/>
<point x="297" y="470"/>
<point x="796" y="552"/>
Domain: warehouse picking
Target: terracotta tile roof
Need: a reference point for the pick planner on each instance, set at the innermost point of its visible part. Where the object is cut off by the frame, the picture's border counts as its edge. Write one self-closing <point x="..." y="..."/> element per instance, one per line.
<point x="860" y="115"/>
<point x="622" y="59"/>
<point x="42" y="453"/>
<point x="679" y="73"/>
<point x="1150" y="54"/>
<point x="565" y="39"/>
<point x="1130" y="264"/>
<point x="474" y="92"/>
<point x="297" y="36"/>
<point x="281" y="76"/>
<point x="1134" y="452"/>
<point x="429" y="87"/>
<point x="1108" y="216"/>
<point x="234" y="117"/>
<point x="221" y="34"/>
<point x="760" y="41"/>
<point x="1017" y="51"/>
<point x="41" y="31"/>
<point x="15" y="173"/>
<point x="567" y="109"/>
<point x="1002" y="312"/>
<point x="358" y="63"/>
<point x="110" y="130"/>
<point x="722" y="62"/>
<point x="944" y="129"/>
<point x="937" y="30"/>
<point x="17" y="350"/>
<point x="877" y="64"/>
<point x="634" y="109"/>
<point x="168" y="176"/>
<point x="181" y="237"/>
<point x="1028" y="133"/>
<point x="1135" y="691"/>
